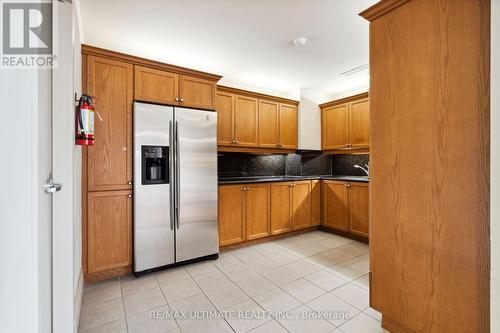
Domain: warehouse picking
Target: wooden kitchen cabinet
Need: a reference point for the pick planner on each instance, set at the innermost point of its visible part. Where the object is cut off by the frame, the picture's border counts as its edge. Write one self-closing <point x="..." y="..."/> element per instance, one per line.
<point x="257" y="211"/>
<point x="301" y="205"/>
<point x="252" y="122"/>
<point x="109" y="230"/>
<point x="164" y="87"/>
<point x="157" y="86"/>
<point x="315" y="202"/>
<point x="225" y="127"/>
<point x="358" y="209"/>
<point x="335" y="205"/>
<point x="281" y="207"/>
<point x="109" y="160"/>
<point x="359" y="123"/>
<point x="231" y="214"/>
<point x="268" y="123"/>
<point x="197" y="93"/>
<point x="288" y="131"/>
<point x="345" y="124"/>
<point x="245" y="119"/>
<point x="335" y="126"/>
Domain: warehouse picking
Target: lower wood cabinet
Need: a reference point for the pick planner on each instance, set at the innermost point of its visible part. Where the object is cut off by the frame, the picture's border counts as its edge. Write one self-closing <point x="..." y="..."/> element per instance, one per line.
<point x="290" y="206"/>
<point x="243" y="212"/>
<point x="315" y="202"/>
<point x="109" y="230"/>
<point x="345" y="207"/>
<point x="335" y="205"/>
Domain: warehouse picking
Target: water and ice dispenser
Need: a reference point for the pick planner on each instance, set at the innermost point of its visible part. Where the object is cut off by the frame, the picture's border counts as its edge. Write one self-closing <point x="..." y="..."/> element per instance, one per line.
<point x="155" y="165"/>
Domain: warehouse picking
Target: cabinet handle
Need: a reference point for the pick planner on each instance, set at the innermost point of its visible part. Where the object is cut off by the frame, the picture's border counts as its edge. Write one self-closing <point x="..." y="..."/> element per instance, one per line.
<point x="130" y="183"/>
<point x="236" y="141"/>
<point x="130" y="195"/>
<point x="182" y="100"/>
<point x="177" y="99"/>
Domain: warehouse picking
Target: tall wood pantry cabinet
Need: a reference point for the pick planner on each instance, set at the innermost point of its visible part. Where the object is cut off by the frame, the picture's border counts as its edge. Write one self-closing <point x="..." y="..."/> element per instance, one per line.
<point x="116" y="80"/>
<point x="430" y="148"/>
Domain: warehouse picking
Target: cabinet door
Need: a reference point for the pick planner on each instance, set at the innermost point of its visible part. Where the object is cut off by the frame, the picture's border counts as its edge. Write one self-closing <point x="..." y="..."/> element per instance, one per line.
<point x="224" y="119"/>
<point x="315" y="203"/>
<point x="257" y="211"/>
<point x="231" y="214"/>
<point x="245" y="121"/>
<point x="288" y="126"/>
<point x="301" y="205"/>
<point x="110" y="159"/>
<point x="335" y="205"/>
<point x="359" y="123"/>
<point x="335" y="126"/>
<point x="109" y="230"/>
<point x="358" y="209"/>
<point x="268" y="124"/>
<point x="197" y="93"/>
<point x="157" y="86"/>
<point x="281" y="208"/>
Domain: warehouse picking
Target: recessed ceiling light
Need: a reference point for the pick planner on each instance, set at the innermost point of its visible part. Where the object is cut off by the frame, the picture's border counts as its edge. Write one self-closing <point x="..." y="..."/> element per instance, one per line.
<point x="355" y="70"/>
<point x="301" y="41"/>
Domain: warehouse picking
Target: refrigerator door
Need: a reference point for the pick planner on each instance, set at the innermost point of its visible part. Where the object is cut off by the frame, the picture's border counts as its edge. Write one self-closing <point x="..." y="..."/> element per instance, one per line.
<point x="153" y="186"/>
<point x="196" y="228"/>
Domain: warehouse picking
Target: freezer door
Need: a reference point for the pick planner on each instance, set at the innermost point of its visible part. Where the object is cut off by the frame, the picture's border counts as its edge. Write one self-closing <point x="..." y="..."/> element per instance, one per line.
<point x="197" y="229"/>
<point x="153" y="186"/>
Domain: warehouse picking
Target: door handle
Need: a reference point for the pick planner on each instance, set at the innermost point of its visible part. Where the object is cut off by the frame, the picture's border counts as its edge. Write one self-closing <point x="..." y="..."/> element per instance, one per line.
<point x="50" y="187"/>
<point x="178" y="173"/>
<point x="171" y="175"/>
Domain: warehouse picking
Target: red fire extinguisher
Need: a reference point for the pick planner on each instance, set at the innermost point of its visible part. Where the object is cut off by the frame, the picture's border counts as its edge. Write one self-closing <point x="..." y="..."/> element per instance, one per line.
<point x="85" y="121"/>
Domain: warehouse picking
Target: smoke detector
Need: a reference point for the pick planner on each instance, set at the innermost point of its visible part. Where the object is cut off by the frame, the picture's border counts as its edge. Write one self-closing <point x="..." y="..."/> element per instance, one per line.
<point x="299" y="42"/>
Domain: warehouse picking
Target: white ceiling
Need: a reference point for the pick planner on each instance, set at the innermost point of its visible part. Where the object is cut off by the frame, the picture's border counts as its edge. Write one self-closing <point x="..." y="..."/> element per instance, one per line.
<point x="249" y="42"/>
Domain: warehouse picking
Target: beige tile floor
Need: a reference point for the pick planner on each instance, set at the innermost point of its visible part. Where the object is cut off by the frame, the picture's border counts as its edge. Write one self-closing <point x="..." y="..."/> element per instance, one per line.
<point x="318" y="277"/>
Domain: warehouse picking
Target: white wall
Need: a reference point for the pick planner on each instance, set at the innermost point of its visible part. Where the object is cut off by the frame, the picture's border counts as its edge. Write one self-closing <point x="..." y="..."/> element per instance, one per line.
<point x="495" y="166"/>
<point x="310" y="119"/>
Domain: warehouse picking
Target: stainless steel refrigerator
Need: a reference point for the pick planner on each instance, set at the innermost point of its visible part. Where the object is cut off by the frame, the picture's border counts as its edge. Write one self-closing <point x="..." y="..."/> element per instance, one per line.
<point x="175" y="186"/>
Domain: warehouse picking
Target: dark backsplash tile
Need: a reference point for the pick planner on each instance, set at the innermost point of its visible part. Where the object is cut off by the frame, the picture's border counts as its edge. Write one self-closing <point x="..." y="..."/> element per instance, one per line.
<point x="344" y="164"/>
<point x="304" y="163"/>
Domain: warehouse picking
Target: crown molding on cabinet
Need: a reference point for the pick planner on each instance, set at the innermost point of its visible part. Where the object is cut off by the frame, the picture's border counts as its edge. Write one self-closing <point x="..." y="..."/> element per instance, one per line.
<point x="248" y="93"/>
<point x="93" y="50"/>
<point x="344" y="100"/>
<point x="381" y="8"/>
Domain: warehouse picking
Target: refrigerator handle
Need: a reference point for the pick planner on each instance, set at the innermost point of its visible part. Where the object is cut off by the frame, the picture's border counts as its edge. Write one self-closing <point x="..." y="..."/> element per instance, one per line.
<point x="171" y="173"/>
<point x="177" y="173"/>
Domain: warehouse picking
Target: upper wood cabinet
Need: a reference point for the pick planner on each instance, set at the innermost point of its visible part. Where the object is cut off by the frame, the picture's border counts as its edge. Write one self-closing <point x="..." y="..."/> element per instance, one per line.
<point x="359" y="123"/>
<point x="109" y="230"/>
<point x="268" y="123"/>
<point x="250" y="120"/>
<point x="154" y="85"/>
<point x="358" y="209"/>
<point x="197" y="93"/>
<point x="245" y="121"/>
<point x="231" y="214"/>
<point x="335" y="205"/>
<point x="345" y="123"/>
<point x="109" y="161"/>
<point x="225" y="123"/>
<point x="164" y="87"/>
<point x="288" y="134"/>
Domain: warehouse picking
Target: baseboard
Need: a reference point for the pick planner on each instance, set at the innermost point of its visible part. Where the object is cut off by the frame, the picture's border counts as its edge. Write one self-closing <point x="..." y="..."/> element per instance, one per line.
<point x="77" y="302"/>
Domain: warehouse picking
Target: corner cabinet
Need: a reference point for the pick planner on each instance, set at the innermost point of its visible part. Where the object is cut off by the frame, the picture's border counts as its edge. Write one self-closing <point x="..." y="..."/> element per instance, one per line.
<point x="345" y="124"/>
<point x="116" y="80"/>
<point x="251" y="122"/>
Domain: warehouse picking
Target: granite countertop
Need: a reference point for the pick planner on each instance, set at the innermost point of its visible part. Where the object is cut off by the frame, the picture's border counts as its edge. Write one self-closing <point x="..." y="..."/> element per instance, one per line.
<point x="267" y="179"/>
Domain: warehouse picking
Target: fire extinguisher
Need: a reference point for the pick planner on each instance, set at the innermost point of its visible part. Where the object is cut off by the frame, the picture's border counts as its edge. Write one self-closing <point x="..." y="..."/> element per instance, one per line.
<point x="85" y="121"/>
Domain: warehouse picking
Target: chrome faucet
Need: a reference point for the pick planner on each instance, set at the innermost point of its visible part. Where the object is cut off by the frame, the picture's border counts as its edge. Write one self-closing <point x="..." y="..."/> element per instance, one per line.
<point x="367" y="170"/>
